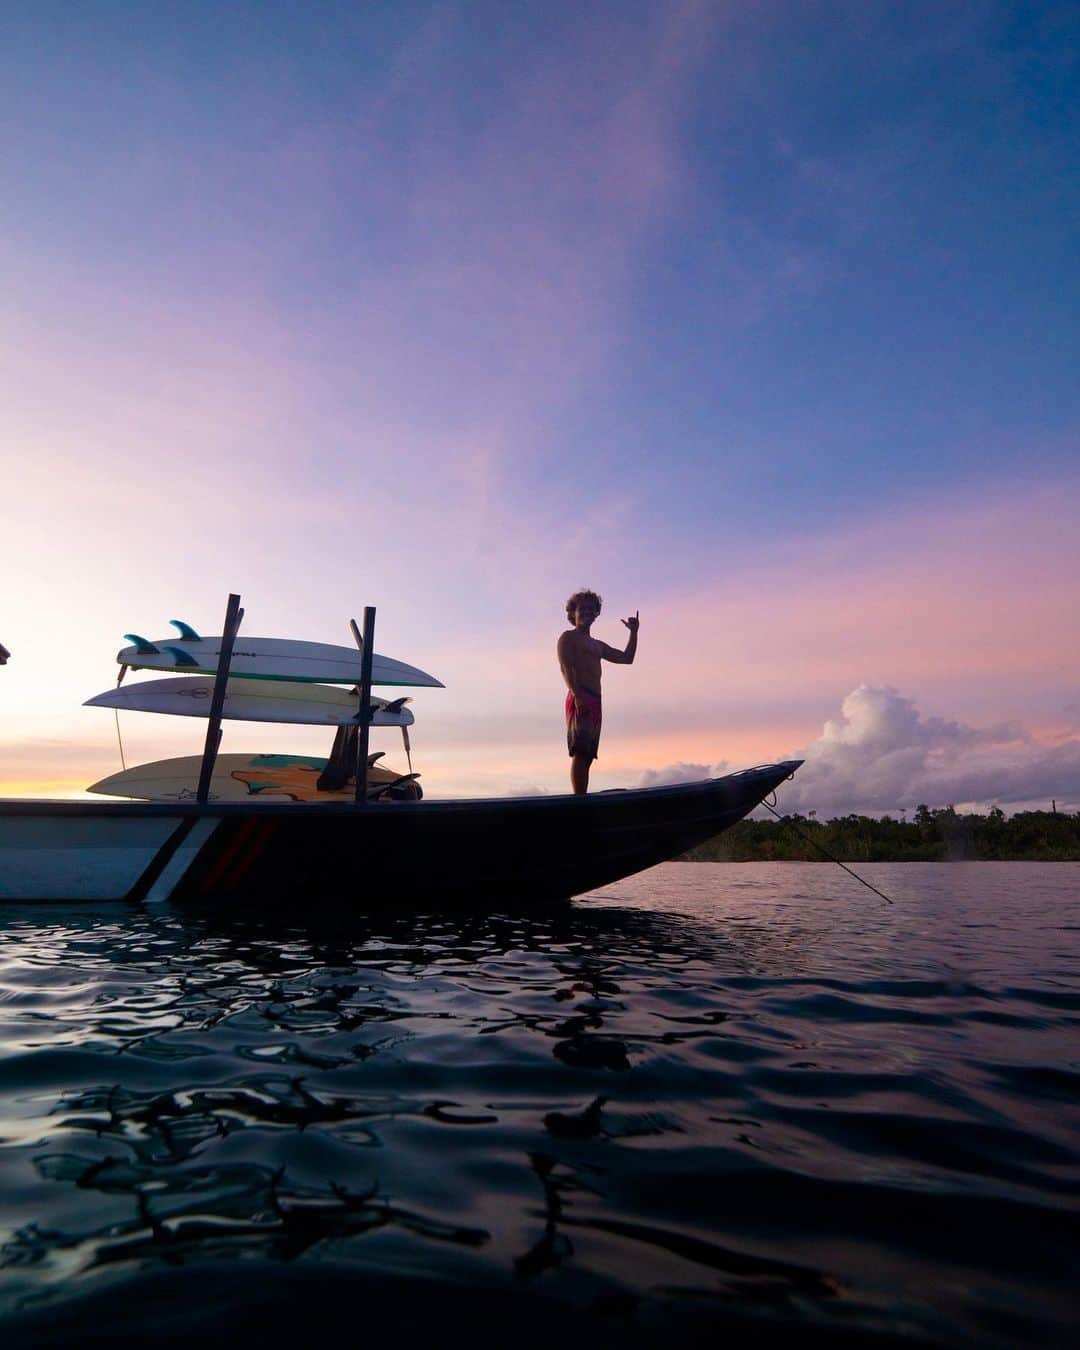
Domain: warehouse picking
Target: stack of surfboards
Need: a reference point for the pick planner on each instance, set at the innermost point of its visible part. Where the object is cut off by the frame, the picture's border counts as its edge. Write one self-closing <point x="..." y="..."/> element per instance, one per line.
<point x="270" y="680"/>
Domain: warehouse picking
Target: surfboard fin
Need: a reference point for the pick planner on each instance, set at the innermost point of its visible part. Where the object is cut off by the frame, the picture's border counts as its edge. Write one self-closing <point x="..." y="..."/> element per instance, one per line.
<point x="187" y="633"/>
<point x="398" y="785"/>
<point x="373" y="757"/>
<point x="342" y="761"/>
<point x="142" y="645"/>
<point x="181" y="657"/>
<point x="396" y="705"/>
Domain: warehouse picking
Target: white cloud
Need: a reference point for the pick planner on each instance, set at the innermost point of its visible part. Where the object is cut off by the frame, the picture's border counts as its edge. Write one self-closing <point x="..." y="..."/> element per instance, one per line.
<point x="683" y="773"/>
<point x="881" y="755"/>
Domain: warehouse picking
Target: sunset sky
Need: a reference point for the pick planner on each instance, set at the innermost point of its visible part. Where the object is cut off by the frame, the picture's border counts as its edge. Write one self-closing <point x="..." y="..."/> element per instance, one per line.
<point x="761" y="318"/>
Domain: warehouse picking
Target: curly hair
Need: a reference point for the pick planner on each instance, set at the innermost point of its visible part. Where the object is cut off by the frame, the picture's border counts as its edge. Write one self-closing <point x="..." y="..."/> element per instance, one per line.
<point x="576" y="599"/>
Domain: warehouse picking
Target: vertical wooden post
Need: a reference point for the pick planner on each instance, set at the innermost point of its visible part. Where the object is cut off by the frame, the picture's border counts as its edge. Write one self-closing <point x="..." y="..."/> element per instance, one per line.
<point x="233" y="617"/>
<point x="367" y="655"/>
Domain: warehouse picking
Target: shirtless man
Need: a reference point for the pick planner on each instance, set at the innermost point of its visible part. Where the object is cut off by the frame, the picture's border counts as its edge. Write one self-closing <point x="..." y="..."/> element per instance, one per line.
<point x="580" y="655"/>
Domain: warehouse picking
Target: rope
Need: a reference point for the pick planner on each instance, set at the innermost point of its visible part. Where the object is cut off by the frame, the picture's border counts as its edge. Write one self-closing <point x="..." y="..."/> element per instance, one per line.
<point x="821" y="849"/>
<point x="116" y="714"/>
<point x="119" y="741"/>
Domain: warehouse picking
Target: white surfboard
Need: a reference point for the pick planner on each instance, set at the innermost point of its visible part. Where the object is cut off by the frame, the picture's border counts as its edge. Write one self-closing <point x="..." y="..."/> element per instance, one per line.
<point x="251" y="701"/>
<point x="236" y="778"/>
<point x="270" y="659"/>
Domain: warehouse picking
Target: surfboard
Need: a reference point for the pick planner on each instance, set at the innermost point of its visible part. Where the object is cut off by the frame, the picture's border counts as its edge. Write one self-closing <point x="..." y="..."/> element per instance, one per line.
<point x="237" y="778"/>
<point x="249" y="700"/>
<point x="256" y="658"/>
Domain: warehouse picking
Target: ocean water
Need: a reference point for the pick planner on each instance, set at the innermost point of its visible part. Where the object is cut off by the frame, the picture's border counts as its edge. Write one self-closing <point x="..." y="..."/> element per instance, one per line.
<point x="709" y="1100"/>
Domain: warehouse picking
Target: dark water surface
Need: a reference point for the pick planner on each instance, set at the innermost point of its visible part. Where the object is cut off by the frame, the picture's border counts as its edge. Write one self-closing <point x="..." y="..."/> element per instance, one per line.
<point x="713" y="1097"/>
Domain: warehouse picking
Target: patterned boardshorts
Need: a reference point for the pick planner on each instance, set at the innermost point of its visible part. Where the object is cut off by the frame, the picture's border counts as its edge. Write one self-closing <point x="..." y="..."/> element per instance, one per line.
<point x="583" y="719"/>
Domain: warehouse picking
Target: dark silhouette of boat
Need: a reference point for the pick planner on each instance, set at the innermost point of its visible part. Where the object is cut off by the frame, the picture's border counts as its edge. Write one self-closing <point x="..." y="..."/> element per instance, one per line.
<point x="366" y="855"/>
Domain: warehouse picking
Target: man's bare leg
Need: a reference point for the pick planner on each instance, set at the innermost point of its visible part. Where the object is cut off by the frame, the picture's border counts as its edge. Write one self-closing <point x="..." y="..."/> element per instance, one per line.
<point x="579" y="774"/>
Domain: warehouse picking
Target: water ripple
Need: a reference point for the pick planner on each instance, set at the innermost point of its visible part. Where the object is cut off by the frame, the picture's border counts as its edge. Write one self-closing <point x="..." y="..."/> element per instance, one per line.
<point x="710" y="1097"/>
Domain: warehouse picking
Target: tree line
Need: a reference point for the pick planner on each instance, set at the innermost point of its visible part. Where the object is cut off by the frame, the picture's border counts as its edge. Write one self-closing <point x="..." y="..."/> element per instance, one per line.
<point x="931" y="836"/>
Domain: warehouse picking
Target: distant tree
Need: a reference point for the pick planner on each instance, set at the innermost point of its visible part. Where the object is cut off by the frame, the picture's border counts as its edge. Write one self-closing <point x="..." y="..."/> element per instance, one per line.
<point x="933" y="835"/>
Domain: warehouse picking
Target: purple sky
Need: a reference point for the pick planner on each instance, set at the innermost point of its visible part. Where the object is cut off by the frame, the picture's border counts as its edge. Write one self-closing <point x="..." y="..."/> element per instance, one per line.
<point x="759" y="318"/>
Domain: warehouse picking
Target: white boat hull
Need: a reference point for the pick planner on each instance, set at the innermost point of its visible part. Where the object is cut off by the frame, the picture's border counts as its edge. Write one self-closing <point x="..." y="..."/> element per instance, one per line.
<point x="65" y="856"/>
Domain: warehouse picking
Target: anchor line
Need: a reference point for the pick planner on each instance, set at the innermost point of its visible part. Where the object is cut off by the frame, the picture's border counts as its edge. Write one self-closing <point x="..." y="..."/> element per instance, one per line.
<point x="825" y="852"/>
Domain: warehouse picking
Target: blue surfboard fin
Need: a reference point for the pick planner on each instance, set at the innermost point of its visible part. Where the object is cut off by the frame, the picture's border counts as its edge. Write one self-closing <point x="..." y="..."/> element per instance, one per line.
<point x="143" y="645"/>
<point x="187" y="633"/>
<point x="181" y="657"/>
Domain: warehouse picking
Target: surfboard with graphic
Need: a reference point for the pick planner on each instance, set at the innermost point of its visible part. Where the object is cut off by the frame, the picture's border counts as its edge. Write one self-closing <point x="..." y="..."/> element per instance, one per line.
<point x="237" y="778"/>
<point x="249" y="700"/>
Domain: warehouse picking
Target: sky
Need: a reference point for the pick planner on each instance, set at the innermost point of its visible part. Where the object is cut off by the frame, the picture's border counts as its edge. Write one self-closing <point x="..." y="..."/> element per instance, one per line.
<point x="758" y="318"/>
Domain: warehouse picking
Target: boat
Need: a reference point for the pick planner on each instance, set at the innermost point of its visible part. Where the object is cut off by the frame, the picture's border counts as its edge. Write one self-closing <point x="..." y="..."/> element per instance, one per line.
<point x="476" y="852"/>
<point x="381" y="847"/>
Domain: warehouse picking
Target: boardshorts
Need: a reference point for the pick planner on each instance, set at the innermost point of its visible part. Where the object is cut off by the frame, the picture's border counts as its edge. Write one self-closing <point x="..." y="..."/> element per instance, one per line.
<point x="583" y="719"/>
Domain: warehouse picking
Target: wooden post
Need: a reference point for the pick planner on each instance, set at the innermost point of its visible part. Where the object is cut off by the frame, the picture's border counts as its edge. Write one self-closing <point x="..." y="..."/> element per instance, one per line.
<point x="233" y="617"/>
<point x="367" y="655"/>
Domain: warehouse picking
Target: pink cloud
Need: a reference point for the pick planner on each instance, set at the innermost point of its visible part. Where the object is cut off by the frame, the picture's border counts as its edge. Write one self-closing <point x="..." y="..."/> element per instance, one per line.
<point x="882" y="755"/>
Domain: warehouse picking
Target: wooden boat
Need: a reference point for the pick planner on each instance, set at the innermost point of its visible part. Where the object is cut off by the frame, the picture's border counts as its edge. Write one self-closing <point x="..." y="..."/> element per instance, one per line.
<point x="481" y="852"/>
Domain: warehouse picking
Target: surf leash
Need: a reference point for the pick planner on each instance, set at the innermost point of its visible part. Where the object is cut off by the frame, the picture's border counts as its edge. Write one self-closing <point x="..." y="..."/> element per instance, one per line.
<point x="825" y="852"/>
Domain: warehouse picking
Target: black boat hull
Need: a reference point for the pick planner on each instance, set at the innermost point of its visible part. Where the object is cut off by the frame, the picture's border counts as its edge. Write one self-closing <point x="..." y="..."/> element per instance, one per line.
<point x="440" y="852"/>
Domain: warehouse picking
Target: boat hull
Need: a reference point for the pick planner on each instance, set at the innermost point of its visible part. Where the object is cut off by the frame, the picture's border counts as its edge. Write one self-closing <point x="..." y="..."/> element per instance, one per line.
<point x="480" y="852"/>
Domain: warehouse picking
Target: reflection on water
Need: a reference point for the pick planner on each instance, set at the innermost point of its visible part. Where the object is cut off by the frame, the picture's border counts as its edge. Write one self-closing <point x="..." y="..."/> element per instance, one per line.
<point x="710" y="1096"/>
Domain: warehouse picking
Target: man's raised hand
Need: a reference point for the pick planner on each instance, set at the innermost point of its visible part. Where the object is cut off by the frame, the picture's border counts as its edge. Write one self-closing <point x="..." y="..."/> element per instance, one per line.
<point x="633" y="622"/>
